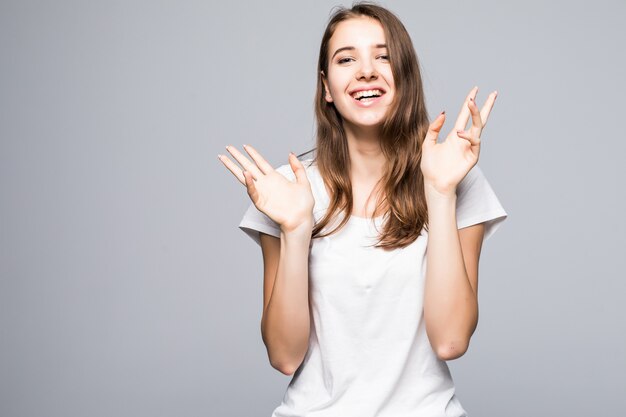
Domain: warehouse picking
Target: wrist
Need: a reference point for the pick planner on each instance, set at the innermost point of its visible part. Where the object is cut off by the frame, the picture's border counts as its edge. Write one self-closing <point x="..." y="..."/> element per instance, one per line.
<point x="304" y="227"/>
<point x="439" y="193"/>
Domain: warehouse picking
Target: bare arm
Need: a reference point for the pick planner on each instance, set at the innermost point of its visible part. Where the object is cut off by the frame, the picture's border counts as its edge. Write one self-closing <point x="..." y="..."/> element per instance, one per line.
<point x="285" y="320"/>
<point x="451" y="289"/>
<point x="285" y="324"/>
<point x="450" y="294"/>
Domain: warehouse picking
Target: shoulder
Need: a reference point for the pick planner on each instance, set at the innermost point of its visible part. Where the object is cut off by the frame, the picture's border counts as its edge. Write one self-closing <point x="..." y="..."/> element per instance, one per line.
<point x="474" y="174"/>
<point x="477" y="203"/>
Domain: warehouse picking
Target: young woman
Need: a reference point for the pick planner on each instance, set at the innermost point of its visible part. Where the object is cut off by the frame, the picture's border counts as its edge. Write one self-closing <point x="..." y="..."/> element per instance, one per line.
<point x="371" y="248"/>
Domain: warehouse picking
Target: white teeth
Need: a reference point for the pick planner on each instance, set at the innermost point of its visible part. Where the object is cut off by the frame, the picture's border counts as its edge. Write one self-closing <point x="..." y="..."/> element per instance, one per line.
<point x="367" y="93"/>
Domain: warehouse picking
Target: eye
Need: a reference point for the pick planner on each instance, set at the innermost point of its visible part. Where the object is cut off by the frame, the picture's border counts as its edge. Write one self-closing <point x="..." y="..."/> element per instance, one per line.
<point x="384" y="57"/>
<point x="343" y="60"/>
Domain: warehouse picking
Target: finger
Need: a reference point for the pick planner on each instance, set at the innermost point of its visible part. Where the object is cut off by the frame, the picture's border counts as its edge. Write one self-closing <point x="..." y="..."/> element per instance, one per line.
<point x="232" y="167"/>
<point x="298" y="169"/>
<point x="244" y="162"/>
<point x="475" y="141"/>
<point x="250" y="185"/>
<point x="435" y="128"/>
<point x="486" y="110"/>
<point x="464" y="114"/>
<point x="263" y="165"/>
<point x="477" y="124"/>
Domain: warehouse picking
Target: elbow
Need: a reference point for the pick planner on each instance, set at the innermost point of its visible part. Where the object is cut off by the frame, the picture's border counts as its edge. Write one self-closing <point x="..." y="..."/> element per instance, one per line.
<point x="284" y="368"/>
<point x="452" y="350"/>
<point x="281" y="363"/>
<point x="285" y="355"/>
<point x="284" y="364"/>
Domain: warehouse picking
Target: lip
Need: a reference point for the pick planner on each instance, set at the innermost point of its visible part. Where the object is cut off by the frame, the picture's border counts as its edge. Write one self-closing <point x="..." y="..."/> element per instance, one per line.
<point x="367" y="87"/>
<point x="370" y="102"/>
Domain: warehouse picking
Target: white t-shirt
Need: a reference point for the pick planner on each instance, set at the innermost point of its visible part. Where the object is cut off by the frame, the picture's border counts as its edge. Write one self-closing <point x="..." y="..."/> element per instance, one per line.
<point x="369" y="354"/>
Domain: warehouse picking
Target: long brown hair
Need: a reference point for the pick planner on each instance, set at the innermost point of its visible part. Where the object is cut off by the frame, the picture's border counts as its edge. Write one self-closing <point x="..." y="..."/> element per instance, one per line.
<point x="403" y="132"/>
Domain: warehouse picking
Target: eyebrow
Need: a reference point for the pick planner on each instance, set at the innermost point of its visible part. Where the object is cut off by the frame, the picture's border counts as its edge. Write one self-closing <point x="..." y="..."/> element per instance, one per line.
<point x="352" y="48"/>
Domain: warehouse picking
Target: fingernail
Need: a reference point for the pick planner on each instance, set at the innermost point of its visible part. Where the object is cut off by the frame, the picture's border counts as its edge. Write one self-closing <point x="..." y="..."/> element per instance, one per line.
<point x="219" y="156"/>
<point x="244" y="145"/>
<point x="443" y="112"/>
<point x="471" y="99"/>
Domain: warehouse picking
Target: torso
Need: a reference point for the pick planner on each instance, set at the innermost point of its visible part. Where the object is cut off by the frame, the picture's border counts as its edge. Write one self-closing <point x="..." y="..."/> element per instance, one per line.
<point x="366" y="307"/>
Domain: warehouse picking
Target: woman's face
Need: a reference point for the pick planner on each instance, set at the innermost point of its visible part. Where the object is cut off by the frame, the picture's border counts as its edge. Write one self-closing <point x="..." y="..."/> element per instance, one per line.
<point x="359" y="80"/>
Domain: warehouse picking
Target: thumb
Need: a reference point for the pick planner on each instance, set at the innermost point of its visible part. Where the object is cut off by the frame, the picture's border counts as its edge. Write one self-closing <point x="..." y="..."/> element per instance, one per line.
<point x="297" y="168"/>
<point x="250" y="186"/>
<point x="435" y="127"/>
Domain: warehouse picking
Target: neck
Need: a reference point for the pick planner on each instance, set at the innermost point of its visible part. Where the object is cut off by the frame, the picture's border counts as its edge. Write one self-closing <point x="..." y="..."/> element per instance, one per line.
<point x="366" y="158"/>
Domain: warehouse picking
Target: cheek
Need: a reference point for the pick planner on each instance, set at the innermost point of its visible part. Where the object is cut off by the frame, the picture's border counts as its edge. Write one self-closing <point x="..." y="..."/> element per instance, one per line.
<point x="389" y="78"/>
<point x="335" y="94"/>
<point x="338" y="81"/>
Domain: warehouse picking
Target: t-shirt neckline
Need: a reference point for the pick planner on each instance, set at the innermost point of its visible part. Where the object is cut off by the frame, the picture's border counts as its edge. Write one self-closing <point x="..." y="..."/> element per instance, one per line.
<point x="352" y="217"/>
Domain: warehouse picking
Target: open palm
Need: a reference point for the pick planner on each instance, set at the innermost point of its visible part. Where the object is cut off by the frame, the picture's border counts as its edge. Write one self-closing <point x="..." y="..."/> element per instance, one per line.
<point x="445" y="164"/>
<point x="289" y="204"/>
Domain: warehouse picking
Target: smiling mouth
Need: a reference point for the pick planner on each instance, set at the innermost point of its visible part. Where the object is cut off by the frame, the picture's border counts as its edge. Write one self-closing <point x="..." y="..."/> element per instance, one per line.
<point x="367" y="95"/>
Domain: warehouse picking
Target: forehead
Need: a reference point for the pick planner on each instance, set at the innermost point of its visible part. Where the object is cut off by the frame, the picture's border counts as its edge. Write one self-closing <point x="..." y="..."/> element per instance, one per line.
<point x="362" y="31"/>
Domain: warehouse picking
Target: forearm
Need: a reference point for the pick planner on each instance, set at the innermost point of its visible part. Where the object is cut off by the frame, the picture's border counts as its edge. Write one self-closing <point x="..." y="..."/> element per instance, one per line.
<point x="450" y="304"/>
<point x="285" y="326"/>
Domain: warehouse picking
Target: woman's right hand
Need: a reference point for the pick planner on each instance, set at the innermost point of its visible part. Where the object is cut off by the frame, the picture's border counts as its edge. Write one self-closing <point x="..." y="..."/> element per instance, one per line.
<point x="289" y="204"/>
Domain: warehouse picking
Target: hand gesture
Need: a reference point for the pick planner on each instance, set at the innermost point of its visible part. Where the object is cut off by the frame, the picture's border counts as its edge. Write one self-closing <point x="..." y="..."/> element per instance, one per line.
<point x="445" y="164"/>
<point x="289" y="204"/>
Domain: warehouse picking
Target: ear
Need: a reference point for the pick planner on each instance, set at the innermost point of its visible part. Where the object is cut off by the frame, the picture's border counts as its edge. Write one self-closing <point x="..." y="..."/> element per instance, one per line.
<point x="327" y="95"/>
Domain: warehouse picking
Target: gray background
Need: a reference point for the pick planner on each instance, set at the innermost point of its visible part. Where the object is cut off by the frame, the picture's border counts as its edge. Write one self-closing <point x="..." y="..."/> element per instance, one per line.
<point x="126" y="288"/>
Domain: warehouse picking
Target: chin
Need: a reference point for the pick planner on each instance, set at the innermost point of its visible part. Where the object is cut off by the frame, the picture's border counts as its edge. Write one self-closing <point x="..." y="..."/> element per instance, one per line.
<point x="364" y="119"/>
<point x="369" y="122"/>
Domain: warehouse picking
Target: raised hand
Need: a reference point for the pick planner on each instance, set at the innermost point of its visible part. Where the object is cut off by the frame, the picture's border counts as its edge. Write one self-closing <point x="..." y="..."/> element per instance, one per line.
<point x="445" y="164"/>
<point x="289" y="204"/>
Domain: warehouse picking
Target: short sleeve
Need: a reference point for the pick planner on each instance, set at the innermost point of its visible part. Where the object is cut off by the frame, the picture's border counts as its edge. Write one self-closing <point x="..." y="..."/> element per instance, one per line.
<point x="477" y="203"/>
<point x="254" y="221"/>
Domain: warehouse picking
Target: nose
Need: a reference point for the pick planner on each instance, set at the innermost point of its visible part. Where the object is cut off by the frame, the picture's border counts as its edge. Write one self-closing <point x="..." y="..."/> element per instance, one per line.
<point x="366" y="71"/>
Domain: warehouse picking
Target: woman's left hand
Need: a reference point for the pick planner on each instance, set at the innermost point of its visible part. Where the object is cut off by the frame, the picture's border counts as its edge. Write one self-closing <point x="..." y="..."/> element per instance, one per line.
<point x="445" y="164"/>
